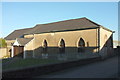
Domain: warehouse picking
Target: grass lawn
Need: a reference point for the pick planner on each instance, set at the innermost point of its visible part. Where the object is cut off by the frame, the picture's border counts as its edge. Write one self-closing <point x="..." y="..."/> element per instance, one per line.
<point x="22" y="63"/>
<point x="17" y="63"/>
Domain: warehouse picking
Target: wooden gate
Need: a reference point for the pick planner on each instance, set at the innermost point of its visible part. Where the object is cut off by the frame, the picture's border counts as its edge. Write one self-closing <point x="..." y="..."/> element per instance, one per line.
<point x="18" y="50"/>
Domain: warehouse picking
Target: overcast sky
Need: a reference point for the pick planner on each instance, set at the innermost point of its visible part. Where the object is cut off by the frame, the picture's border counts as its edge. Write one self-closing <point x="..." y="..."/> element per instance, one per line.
<point x="18" y="15"/>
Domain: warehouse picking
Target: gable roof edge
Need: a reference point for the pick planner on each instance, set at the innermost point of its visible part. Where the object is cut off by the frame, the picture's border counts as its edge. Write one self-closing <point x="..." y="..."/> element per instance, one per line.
<point x="106" y="29"/>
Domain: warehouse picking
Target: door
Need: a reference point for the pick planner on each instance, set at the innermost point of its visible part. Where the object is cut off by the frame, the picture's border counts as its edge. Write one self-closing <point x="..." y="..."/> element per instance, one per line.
<point x="18" y="50"/>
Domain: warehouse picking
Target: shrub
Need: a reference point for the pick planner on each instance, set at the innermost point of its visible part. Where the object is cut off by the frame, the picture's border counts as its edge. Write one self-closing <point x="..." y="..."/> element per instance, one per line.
<point x="3" y="43"/>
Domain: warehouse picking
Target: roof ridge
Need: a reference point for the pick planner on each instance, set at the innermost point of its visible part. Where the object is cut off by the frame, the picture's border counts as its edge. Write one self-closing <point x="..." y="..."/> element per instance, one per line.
<point x="61" y="21"/>
<point x="77" y="21"/>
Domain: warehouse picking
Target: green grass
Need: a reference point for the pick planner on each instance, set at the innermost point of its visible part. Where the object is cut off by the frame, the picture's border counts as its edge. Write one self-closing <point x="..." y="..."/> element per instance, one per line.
<point x="22" y="63"/>
<point x="17" y="63"/>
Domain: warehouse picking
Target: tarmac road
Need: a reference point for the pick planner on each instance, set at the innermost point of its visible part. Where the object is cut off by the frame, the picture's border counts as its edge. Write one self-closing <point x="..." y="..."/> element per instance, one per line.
<point x="102" y="69"/>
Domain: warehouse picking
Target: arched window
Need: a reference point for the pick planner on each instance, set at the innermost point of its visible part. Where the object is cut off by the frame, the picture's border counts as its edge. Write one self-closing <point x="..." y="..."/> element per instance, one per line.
<point x="81" y="44"/>
<point x="62" y="46"/>
<point x="45" y="45"/>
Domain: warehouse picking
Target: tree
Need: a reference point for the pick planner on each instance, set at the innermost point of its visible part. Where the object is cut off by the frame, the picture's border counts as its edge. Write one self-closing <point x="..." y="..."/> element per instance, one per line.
<point x="3" y="43"/>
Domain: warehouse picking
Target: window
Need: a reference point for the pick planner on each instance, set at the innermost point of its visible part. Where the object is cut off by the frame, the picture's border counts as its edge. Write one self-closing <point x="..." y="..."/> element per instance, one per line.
<point x="22" y="36"/>
<point x="45" y="45"/>
<point x="62" y="46"/>
<point x="81" y="44"/>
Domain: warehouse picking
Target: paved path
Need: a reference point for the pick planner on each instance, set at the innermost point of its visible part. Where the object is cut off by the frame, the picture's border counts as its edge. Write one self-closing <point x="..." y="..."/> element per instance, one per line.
<point x="103" y="69"/>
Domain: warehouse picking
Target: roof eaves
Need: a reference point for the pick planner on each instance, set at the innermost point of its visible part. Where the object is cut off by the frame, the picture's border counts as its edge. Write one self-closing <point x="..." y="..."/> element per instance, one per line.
<point x="65" y="30"/>
<point x="106" y="29"/>
<point x="9" y="35"/>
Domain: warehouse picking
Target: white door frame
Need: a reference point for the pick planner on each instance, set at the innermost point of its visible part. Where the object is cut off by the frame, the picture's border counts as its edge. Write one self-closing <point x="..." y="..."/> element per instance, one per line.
<point x="12" y="52"/>
<point x="24" y="54"/>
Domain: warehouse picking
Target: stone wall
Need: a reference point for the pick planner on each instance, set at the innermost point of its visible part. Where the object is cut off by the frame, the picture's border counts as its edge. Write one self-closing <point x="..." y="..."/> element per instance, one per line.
<point x="104" y="37"/>
<point x="106" y="42"/>
<point x="9" y="46"/>
<point x="28" y="49"/>
<point x="3" y="52"/>
<point x="29" y="36"/>
<point x="71" y="39"/>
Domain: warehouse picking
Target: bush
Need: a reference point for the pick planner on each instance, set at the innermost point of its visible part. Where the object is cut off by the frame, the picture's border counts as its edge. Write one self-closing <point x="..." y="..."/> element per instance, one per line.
<point x="3" y="43"/>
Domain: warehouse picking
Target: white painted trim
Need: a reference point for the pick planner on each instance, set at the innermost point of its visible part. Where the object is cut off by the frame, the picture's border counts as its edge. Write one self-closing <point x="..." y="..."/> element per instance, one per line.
<point x="33" y="45"/>
<point x="16" y="43"/>
<point x="12" y="52"/>
<point x="33" y="49"/>
<point x="25" y="49"/>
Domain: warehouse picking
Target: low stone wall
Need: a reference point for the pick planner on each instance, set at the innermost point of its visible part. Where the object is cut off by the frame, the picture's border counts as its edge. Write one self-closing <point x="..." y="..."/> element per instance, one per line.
<point x="40" y="70"/>
<point x="3" y="52"/>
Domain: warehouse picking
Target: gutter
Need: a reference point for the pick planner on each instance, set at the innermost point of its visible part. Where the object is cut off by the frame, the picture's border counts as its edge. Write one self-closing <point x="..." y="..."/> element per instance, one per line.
<point x="63" y="30"/>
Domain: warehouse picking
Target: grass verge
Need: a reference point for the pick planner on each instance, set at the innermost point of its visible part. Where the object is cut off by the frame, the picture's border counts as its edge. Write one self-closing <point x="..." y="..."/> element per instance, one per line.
<point x="23" y="63"/>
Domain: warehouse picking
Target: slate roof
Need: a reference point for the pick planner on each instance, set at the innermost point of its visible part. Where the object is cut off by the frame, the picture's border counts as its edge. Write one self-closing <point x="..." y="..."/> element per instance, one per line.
<point x="79" y="23"/>
<point x="16" y="34"/>
<point x="72" y="24"/>
<point x="23" y="41"/>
